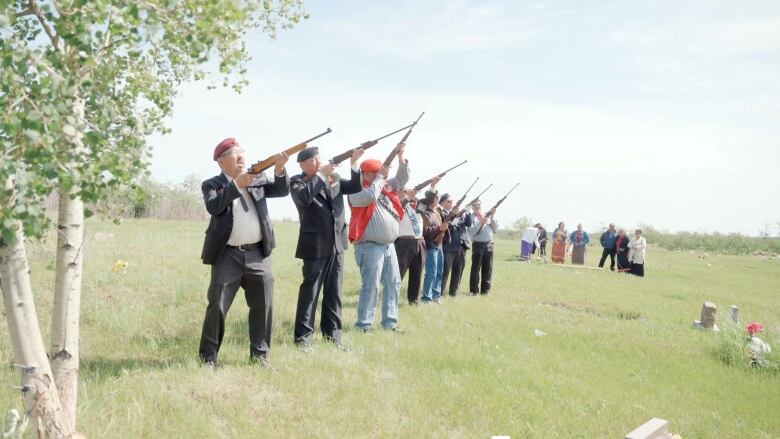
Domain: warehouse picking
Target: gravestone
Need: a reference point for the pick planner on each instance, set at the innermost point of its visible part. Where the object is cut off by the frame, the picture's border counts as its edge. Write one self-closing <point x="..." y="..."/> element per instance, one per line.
<point x="708" y="313"/>
<point x="652" y="429"/>
<point x="735" y="314"/>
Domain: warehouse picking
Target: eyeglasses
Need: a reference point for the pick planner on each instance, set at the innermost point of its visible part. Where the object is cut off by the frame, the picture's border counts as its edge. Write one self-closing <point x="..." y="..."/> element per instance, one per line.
<point x="236" y="152"/>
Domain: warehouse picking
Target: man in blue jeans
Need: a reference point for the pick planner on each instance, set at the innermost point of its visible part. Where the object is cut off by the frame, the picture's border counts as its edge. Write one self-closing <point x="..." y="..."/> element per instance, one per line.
<point x="373" y="228"/>
<point x="434" y="257"/>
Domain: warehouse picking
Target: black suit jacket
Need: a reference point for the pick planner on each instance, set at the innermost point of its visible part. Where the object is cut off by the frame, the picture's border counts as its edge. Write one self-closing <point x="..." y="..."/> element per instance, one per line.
<point x="218" y="194"/>
<point x="322" y="216"/>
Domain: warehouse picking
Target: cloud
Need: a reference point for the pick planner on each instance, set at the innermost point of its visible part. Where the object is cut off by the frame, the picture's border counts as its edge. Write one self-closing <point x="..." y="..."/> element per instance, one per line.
<point x="426" y="29"/>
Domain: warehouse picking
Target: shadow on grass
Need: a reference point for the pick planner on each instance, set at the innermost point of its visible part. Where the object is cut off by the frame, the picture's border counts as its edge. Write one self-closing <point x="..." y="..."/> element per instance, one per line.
<point x="101" y="368"/>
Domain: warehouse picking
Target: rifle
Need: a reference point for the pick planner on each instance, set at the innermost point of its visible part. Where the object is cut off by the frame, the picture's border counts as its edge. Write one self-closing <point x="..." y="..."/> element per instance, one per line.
<point x="480" y="194"/>
<point x="389" y="160"/>
<point x="365" y="145"/>
<point x="454" y="211"/>
<point x="451" y="215"/>
<point x="267" y="163"/>
<point x="428" y="181"/>
<point x="493" y="209"/>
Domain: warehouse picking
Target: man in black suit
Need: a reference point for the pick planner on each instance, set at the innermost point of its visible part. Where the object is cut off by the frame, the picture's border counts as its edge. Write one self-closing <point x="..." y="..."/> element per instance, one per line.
<point x="318" y="196"/>
<point x="238" y="245"/>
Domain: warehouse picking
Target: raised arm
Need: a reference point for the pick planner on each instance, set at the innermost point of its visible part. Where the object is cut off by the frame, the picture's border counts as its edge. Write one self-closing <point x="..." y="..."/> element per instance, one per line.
<point x="368" y="195"/>
<point x="303" y="192"/>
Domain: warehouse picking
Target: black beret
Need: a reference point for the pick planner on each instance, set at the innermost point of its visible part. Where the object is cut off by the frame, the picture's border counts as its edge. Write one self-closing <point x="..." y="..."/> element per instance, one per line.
<point x="308" y="153"/>
<point x="444" y="198"/>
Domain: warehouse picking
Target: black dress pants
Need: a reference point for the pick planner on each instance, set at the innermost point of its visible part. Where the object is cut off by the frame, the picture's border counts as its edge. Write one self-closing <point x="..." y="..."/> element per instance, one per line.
<point x="411" y="256"/>
<point x="251" y="271"/>
<point x="452" y="270"/>
<point x="481" y="264"/>
<point x="325" y="273"/>
<point x="611" y="252"/>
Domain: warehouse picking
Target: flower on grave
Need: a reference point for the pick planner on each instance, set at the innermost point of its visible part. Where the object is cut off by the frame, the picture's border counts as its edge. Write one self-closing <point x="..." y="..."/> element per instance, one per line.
<point x="753" y="328"/>
<point x="119" y="265"/>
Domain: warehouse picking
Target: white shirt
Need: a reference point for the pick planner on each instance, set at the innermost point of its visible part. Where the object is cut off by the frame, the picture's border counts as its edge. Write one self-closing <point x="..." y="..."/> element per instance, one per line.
<point x="636" y="252"/>
<point x="405" y="226"/>
<point x="246" y="223"/>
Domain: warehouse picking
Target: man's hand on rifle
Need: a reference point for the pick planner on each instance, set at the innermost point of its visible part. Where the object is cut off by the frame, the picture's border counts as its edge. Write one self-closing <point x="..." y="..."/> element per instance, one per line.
<point x="327" y="169"/>
<point x="411" y="194"/>
<point x="384" y="172"/>
<point x="243" y="180"/>
<point x="484" y="220"/>
<point x="279" y="161"/>
<point x="443" y="227"/>
<point x="434" y="180"/>
<point x="355" y="156"/>
<point x="400" y="152"/>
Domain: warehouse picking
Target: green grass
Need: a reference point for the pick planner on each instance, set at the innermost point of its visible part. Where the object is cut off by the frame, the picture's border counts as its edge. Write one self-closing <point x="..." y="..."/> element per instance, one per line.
<point x="618" y="350"/>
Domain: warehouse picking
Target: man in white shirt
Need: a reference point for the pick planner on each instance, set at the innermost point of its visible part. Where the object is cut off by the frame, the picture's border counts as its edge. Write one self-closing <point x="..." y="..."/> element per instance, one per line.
<point x="410" y="245"/>
<point x="238" y="245"/>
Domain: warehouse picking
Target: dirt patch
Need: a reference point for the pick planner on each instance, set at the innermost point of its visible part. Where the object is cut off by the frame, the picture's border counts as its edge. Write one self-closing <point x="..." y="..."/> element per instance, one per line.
<point x="620" y="314"/>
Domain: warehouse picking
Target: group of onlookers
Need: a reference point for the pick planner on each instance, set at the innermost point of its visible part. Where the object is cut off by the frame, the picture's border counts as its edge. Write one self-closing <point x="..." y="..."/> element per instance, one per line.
<point x="628" y="254"/>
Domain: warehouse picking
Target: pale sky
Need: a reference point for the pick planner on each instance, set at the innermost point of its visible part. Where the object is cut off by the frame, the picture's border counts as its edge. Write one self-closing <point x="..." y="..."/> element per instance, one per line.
<point x="662" y="113"/>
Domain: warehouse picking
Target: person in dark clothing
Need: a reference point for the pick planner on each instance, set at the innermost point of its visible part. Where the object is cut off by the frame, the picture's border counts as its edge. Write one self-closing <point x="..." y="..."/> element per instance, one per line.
<point x="455" y="245"/>
<point x="238" y="245"/>
<point x="621" y="249"/>
<point x="410" y="245"/>
<point x="481" y="233"/>
<point x="318" y="194"/>
<point x="541" y="238"/>
<point x="608" y="244"/>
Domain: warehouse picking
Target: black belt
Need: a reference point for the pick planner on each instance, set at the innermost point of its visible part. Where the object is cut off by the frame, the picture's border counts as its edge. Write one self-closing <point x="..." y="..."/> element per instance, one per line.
<point x="245" y="247"/>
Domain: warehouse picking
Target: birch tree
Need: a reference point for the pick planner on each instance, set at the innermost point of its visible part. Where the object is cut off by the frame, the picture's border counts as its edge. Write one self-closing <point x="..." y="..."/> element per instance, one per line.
<point x="83" y="83"/>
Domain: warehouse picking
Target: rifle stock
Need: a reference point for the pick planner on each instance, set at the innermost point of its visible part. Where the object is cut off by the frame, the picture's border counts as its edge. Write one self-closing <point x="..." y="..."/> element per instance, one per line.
<point x="267" y="163"/>
<point x="428" y="181"/>
<point x="389" y="160"/>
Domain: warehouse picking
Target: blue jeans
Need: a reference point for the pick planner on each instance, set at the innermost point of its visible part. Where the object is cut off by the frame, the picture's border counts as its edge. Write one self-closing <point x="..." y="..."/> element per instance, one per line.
<point x="378" y="266"/>
<point x="434" y="262"/>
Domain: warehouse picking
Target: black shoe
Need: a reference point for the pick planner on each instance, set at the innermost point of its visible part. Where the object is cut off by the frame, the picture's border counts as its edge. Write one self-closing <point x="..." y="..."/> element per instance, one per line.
<point x="305" y="347"/>
<point x="474" y="294"/>
<point x="264" y="363"/>
<point x="413" y="303"/>
<point x="397" y="330"/>
<point x="209" y="364"/>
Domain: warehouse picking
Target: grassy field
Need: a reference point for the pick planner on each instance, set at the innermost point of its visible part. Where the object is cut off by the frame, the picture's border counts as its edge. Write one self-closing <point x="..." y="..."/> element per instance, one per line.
<point x="618" y="350"/>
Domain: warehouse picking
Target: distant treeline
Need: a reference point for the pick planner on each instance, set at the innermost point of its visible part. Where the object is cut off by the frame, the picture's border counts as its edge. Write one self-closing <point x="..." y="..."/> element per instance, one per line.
<point x="183" y="201"/>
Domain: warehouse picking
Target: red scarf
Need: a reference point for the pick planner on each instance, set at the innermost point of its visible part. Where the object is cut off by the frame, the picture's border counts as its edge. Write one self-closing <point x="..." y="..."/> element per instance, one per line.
<point x="362" y="215"/>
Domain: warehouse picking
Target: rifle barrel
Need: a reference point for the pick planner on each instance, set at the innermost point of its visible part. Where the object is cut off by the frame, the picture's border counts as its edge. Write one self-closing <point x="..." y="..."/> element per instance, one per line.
<point x="262" y="165"/>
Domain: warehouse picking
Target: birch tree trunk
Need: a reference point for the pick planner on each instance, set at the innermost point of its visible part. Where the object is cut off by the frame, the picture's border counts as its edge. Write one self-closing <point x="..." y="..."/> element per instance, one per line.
<point x="41" y="400"/>
<point x="64" y="352"/>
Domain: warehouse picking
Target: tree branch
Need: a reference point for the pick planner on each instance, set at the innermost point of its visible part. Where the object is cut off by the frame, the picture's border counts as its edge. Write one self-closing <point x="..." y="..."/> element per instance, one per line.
<point x="25" y="13"/>
<point x="36" y="10"/>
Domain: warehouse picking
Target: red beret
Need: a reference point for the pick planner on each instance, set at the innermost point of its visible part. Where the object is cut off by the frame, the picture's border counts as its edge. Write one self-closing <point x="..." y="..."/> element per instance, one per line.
<point x="224" y="146"/>
<point x="371" y="165"/>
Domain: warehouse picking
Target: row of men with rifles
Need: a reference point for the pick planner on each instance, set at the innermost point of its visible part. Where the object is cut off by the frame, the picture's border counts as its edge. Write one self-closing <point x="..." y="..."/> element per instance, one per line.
<point x="392" y="230"/>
